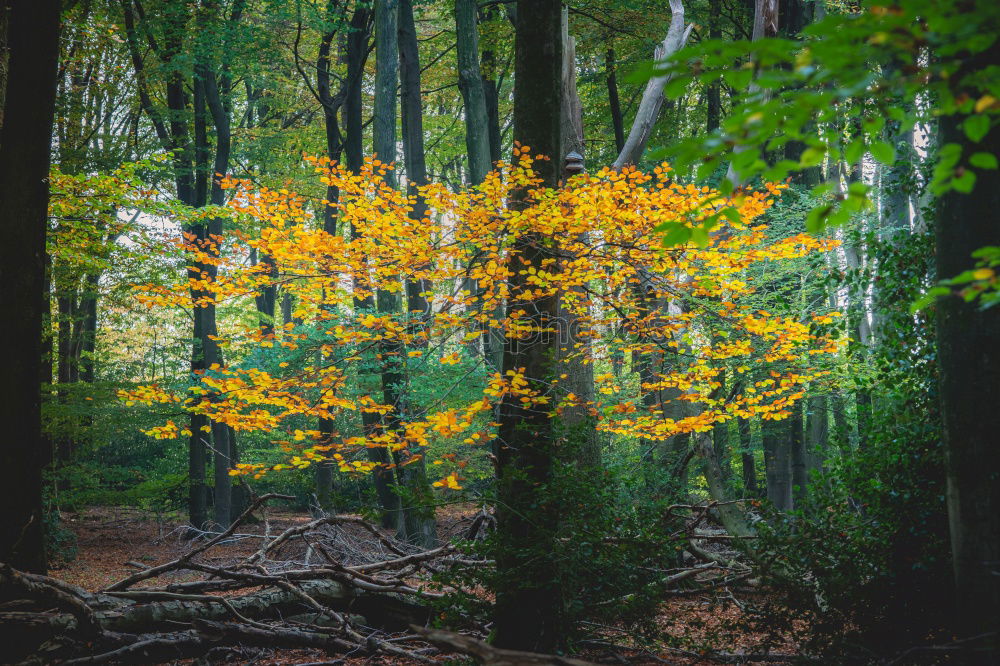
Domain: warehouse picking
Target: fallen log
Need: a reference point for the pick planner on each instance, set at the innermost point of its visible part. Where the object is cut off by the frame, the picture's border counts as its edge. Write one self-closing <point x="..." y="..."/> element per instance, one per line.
<point x="486" y="654"/>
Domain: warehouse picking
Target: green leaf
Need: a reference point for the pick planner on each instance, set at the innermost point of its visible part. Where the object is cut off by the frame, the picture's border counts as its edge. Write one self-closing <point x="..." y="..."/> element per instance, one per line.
<point x="854" y="151"/>
<point x="699" y="235"/>
<point x="976" y="127"/>
<point x="677" y="236"/>
<point x="882" y="152"/>
<point x="927" y="299"/>
<point x="676" y="87"/>
<point x="812" y="156"/>
<point x="731" y="214"/>
<point x="874" y="124"/>
<point x="816" y="219"/>
<point x="965" y="182"/>
<point x="983" y="160"/>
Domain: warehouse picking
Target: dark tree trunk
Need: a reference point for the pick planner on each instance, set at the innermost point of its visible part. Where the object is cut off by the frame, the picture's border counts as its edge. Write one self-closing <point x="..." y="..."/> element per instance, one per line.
<point x="387" y="302"/>
<point x="969" y="359"/>
<point x="751" y="489"/>
<point x="611" y="76"/>
<point x="470" y="83"/>
<point x="797" y="452"/>
<point x="25" y="141"/>
<point x="528" y="610"/>
<point x="777" y="463"/>
<point x="88" y="327"/>
<point x="357" y="54"/>
<point x="418" y="517"/>
<point x="491" y="93"/>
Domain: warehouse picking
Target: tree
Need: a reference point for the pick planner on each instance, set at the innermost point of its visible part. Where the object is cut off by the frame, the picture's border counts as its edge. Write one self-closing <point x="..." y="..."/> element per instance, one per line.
<point x="970" y="365"/>
<point x="32" y="42"/>
<point x="881" y="65"/>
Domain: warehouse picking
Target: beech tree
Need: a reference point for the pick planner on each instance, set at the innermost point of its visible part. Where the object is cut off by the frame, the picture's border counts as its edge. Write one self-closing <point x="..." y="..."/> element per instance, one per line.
<point x="30" y="35"/>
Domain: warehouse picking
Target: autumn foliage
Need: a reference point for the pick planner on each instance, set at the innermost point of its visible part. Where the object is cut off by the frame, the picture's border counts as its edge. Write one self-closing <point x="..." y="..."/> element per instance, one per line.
<point x="686" y="312"/>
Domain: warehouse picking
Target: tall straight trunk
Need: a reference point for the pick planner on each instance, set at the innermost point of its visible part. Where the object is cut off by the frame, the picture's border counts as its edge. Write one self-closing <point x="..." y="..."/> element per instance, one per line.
<point x="334" y="150"/>
<point x="356" y="55"/>
<point x="470" y="83"/>
<point x="386" y="301"/>
<point x="478" y="144"/>
<point x="265" y="299"/>
<point x="574" y="349"/>
<point x="614" y="103"/>
<point x="491" y="93"/>
<point x="174" y="136"/>
<point x="797" y="453"/>
<point x="88" y="327"/>
<point x="418" y="517"/>
<point x="357" y="50"/>
<point x="216" y="94"/>
<point x="777" y="463"/>
<point x="29" y="103"/>
<point x="720" y="446"/>
<point x="817" y="431"/>
<point x="713" y="93"/>
<point x="857" y="316"/>
<point x="720" y="440"/>
<point x="969" y="362"/>
<point x="750" y="487"/>
<point x="528" y="613"/>
<point x="840" y="425"/>
<point x="888" y="300"/>
<point x="765" y="25"/>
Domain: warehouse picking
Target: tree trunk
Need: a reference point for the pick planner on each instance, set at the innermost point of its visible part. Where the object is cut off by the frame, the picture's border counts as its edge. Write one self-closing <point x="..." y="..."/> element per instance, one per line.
<point x="797" y="453"/>
<point x="528" y="611"/>
<point x="817" y="431"/>
<point x="750" y="487"/>
<point x="614" y="104"/>
<point x="652" y="96"/>
<point x="470" y="83"/>
<point x="969" y="360"/>
<point x="713" y="93"/>
<point x="491" y="92"/>
<point x="574" y="349"/>
<point x="777" y="463"/>
<point x="388" y="302"/>
<point x="25" y="138"/>
<point x="418" y="517"/>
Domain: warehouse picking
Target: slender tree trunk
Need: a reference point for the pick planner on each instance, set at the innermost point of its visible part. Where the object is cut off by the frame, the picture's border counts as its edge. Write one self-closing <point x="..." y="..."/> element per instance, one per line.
<point x="491" y="93"/>
<point x="797" y="453"/>
<point x="470" y="83"/>
<point x="614" y="104"/>
<point x="777" y="463"/>
<point x="817" y="431"/>
<point x="29" y="103"/>
<point x="528" y="610"/>
<point x="969" y="360"/>
<point x="574" y="348"/>
<point x="750" y="486"/>
<point x="713" y="93"/>
<point x="419" y="524"/>
<point x="388" y="302"/>
<point x="334" y="149"/>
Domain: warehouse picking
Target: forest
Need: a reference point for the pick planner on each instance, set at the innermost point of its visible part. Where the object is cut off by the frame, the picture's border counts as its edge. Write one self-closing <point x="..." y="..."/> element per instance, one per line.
<point x="509" y="332"/>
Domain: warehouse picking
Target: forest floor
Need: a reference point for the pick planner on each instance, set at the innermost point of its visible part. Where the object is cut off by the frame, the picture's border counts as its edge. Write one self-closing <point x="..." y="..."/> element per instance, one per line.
<point x="112" y="542"/>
